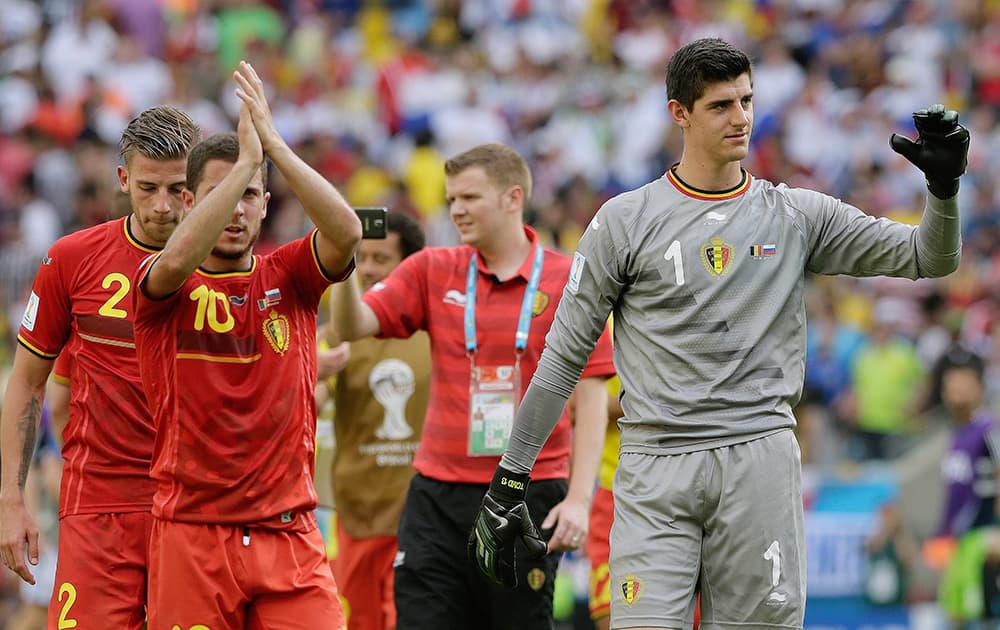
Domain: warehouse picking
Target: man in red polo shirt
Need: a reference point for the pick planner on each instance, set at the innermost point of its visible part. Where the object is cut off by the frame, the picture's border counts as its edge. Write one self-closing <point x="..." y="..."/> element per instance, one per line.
<point x="487" y="305"/>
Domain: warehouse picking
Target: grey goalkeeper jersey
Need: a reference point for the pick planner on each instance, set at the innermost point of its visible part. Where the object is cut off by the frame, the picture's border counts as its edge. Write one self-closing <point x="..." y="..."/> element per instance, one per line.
<point x="707" y="295"/>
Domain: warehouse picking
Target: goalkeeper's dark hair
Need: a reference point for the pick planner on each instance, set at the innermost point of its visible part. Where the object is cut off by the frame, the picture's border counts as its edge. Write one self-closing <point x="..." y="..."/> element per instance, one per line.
<point x="702" y="62"/>
<point x="221" y="146"/>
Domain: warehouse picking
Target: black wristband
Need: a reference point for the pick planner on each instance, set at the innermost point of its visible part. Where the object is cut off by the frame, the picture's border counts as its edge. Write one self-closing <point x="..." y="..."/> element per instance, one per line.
<point x="508" y="488"/>
<point x="943" y="190"/>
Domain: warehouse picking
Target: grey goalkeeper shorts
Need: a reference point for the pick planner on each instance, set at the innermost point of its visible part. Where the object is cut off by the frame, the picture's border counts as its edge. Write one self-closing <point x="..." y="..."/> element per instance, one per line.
<point x="726" y="522"/>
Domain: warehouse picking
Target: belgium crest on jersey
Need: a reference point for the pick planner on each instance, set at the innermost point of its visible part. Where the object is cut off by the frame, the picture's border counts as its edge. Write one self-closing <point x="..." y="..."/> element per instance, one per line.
<point x="541" y="301"/>
<point x="277" y="332"/>
<point x="717" y="255"/>
<point x="631" y="589"/>
<point x="536" y="578"/>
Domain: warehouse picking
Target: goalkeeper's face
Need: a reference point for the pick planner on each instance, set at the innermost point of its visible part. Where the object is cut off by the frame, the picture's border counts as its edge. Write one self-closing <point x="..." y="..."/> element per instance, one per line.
<point x="717" y="128"/>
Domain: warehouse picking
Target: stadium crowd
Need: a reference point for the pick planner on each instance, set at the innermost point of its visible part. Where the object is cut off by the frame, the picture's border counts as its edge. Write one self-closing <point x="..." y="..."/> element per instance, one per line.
<point x="377" y="95"/>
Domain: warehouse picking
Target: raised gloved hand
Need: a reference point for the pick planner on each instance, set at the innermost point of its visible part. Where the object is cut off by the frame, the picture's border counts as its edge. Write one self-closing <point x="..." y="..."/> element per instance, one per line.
<point x="503" y="519"/>
<point x="941" y="150"/>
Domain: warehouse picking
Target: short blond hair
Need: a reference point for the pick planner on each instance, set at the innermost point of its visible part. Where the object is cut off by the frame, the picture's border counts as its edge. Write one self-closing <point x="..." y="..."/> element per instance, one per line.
<point x="503" y="166"/>
<point x="159" y="133"/>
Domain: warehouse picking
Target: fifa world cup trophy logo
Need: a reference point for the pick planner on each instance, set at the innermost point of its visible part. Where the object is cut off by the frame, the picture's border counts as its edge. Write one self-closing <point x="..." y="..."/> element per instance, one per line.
<point x="392" y="383"/>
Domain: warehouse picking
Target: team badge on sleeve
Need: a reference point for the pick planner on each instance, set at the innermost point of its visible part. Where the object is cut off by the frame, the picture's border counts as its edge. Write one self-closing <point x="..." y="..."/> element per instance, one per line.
<point x="717" y="255"/>
<point x="30" y="312"/>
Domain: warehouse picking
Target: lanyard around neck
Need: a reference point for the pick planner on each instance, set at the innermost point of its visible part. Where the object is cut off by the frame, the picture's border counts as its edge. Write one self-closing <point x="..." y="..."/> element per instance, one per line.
<point x="523" y="321"/>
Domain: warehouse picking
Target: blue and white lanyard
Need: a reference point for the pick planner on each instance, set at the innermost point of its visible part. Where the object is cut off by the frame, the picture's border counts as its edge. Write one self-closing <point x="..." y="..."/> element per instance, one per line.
<point x="527" y="304"/>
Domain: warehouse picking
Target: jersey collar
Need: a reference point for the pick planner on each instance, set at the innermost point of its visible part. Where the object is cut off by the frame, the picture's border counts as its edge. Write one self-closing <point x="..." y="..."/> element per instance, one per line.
<point x="708" y="195"/>
<point x="131" y="238"/>
<point x="524" y="271"/>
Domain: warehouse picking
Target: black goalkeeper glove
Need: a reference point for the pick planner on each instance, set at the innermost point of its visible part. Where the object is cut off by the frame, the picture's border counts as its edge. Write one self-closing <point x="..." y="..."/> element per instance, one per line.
<point x="941" y="150"/>
<point x="503" y="520"/>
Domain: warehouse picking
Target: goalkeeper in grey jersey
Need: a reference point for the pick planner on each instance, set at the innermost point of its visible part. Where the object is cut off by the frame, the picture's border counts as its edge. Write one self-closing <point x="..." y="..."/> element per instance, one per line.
<point x="704" y="270"/>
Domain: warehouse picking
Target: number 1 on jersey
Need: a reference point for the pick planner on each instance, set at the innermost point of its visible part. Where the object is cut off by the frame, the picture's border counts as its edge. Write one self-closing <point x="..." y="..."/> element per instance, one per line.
<point x="674" y="253"/>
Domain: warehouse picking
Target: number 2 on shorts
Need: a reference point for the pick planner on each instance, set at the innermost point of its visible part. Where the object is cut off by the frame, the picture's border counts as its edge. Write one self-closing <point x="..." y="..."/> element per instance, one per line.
<point x="773" y="554"/>
<point x="69" y="591"/>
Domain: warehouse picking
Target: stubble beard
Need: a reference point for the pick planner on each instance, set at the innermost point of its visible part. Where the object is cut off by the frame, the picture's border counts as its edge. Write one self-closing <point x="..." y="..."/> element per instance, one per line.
<point x="157" y="233"/>
<point x="233" y="254"/>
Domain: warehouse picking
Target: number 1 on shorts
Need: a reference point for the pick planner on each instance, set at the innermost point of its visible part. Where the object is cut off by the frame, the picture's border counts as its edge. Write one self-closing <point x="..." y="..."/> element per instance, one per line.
<point x="773" y="554"/>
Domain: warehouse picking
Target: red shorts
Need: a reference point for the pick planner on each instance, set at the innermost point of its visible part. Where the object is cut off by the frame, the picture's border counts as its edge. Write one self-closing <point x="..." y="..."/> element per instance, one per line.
<point x="227" y="577"/>
<point x="598" y="548"/>
<point x="363" y="568"/>
<point x="101" y="571"/>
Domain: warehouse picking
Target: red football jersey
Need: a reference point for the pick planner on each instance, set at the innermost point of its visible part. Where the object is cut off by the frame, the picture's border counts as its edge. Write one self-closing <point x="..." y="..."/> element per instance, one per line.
<point x="229" y="365"/>
<point x="427" y="292"/>
<point x="80" y="305"/>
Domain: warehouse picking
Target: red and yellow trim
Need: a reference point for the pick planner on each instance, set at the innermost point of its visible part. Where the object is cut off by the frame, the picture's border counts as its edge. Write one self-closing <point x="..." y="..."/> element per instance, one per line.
<point x="127" y="228"/>
<point x="213" y="358"/>
<point x="341" y="275"/>
<point x="35" y="351"/>
<point x="228" y="274"/>
<point x="705" y="195"/>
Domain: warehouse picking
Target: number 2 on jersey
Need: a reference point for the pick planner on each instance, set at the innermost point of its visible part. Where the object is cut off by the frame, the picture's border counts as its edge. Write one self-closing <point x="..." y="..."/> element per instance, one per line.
<point x="674" y="253"/>
<point x="110" y="307"/>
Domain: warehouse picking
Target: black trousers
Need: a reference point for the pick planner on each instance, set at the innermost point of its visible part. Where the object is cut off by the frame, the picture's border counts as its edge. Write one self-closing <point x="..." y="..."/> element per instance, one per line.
<point x="437" y="587"/>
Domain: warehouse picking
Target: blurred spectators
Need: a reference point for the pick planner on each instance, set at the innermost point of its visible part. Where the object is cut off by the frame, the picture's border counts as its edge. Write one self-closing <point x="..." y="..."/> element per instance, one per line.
<point x="377" y="94"/>
<point x="970" y="473"/>
<point x="890" y="554"/>
<point x="886" y="378"/>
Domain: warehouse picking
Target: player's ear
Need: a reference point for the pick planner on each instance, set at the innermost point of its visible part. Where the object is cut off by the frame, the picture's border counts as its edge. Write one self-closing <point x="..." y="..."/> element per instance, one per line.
<point x="188" y="197"/>
<point x="263" y="210"/>
<point x="516" y="196"/>
<point x="123" y="178"/>
<point x="678" y="113"/>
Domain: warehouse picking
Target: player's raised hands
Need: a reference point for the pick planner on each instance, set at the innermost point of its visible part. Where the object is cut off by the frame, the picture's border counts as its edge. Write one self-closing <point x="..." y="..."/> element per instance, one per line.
<point x="251" y="91"/>
<point x="250" y="144"/>
<point x="940" y="151"/>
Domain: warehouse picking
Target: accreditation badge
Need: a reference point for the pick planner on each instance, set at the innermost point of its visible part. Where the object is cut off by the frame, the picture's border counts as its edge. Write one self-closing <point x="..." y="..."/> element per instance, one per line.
<point x="494" y="393"/>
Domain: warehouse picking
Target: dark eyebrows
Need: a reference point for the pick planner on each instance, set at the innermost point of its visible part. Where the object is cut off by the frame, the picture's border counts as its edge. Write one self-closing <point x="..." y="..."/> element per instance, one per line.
<point x="728" y="101"/>
<point x="718" y="103"/>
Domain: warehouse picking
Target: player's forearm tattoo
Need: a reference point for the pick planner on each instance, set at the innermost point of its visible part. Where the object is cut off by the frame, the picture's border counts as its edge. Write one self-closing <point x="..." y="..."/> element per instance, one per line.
<point x="27" y="430"/>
